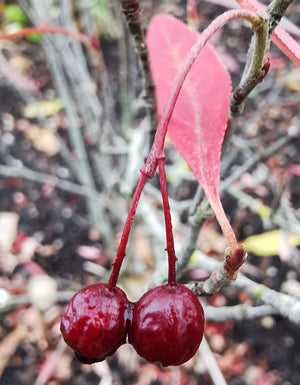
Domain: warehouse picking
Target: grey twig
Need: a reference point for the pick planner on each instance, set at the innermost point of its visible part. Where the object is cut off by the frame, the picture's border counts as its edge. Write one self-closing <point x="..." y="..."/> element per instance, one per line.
<point x="131" y="11"/>
<point x="286" y="305"/>
<point x="10" y="302"/>
<point x="62" y="184"/>
<point x="237" y="313"/>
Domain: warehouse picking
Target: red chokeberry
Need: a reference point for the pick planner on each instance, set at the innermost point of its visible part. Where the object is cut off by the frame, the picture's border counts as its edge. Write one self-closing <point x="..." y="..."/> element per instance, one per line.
<point x="95" y="322"/>
<point x="167" y="325"/>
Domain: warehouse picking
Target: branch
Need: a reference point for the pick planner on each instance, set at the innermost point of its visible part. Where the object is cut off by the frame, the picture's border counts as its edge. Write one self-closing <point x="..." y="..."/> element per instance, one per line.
<point x="202" y="211"/>
<point x="131" y="11"/>
<point x="237" y="313"/>
<point x="287" y="306"/>
<point x="10" y="302"/>
<point x="254" y="73"/>
<point x="61" y="184"/>
<point x="36" y="176"/>
<point x="227" y="271"/>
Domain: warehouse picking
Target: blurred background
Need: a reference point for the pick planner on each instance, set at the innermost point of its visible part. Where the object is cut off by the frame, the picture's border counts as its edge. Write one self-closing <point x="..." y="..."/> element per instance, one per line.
<point x="75" y="129"/>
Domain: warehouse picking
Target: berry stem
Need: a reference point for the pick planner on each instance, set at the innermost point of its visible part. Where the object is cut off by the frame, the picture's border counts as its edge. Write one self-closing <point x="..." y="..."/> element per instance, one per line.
<point x="223" y="222"/>
<point x="156" y="155"/>
<point x="168" y="223"/>
<point x="124" y="238"/>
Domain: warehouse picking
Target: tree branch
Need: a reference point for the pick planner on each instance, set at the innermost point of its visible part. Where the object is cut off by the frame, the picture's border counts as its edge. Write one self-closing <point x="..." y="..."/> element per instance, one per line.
<point x="131" y="11"/>
<point x="286" y="305"/>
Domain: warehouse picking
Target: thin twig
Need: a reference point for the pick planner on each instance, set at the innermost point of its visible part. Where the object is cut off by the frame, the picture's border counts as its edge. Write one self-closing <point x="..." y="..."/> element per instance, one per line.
<point x="131" y="11"/>
<point x="287" y="306"/>
<point x="211" y="363"/>
<point x="126" y="65"/>
<point x="10" y="302"/>
<point x="39" y="177"/>
<point x="237" y="313"/>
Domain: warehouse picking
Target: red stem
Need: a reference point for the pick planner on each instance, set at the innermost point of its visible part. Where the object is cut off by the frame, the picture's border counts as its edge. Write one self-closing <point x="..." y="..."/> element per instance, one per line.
<point x="124" y="239"/>
<point x="29" y="31"/>
<point x="223" y="222"/>
<point x="168" y="223"/>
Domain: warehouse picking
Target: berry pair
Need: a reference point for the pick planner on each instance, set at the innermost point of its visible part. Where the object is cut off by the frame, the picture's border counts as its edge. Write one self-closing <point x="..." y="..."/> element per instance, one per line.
<point x="165" y="326"/>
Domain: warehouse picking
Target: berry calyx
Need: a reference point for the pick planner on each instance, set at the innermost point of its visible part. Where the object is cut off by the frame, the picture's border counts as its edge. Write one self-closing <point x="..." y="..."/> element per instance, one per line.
<point x="95" y="322"/>
<point x="167" y="325"/>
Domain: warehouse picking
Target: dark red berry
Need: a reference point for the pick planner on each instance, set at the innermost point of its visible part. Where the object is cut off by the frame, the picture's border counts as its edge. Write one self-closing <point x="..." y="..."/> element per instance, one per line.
<point x="95" y="322"/>
<point x="167" y="325"/>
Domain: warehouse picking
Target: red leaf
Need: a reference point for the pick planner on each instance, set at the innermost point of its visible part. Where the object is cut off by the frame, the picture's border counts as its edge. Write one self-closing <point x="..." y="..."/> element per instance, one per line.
<point x="200" y="117"/>
<point x="287" y="44"/>
<point x="280" y="37"/>
<point x="294" y="169"/>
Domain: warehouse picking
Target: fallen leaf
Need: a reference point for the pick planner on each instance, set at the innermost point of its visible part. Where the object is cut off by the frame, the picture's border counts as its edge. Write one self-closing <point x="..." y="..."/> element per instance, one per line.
<point x="8" y="230"/>
<point x="294" y="169"/>
<point x="21" y="64"/>
<point x="14" y="14"/>
<point x="43" y="140"/>
<point x="9" y="344"/>
<point x="88" y="252"/>
<point x="290" y="78"/>
<point x="17" y="78"/>
<point x="42" y="291"/>
<point x="46" y="108"/>
<point x="269" y="243"/>
<point x="233" y="361"/>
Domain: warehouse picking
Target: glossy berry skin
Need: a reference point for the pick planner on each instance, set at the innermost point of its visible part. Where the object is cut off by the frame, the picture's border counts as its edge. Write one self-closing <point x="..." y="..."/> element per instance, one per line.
<point x="95" y="322"/>
<point x="167" y="325"/>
